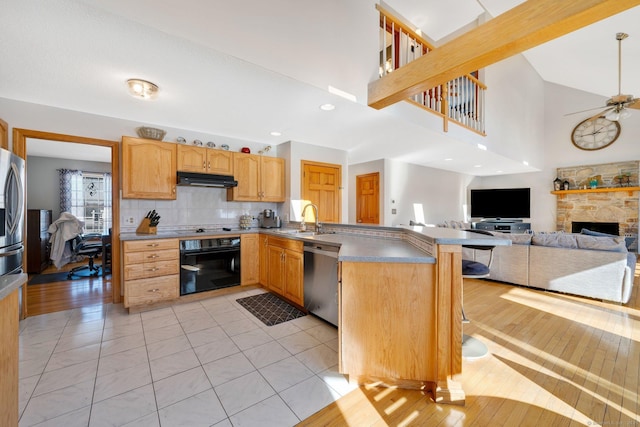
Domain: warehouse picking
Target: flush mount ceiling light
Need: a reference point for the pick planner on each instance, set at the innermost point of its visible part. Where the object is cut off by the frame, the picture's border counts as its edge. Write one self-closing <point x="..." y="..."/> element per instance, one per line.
<point x="275" y="133"/>
<point x="142" y="88"/>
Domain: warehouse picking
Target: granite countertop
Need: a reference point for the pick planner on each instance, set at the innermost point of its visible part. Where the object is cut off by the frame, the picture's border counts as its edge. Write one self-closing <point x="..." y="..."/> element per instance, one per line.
<point x="11" y="282"/>
<point x="366" y="249"/>
<point x="356" y="248"/>
<point x="452" y="236"/>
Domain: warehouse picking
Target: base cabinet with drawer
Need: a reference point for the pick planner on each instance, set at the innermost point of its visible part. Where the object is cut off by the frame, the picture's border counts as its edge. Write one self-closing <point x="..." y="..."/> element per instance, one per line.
<point x="151" y="271"/>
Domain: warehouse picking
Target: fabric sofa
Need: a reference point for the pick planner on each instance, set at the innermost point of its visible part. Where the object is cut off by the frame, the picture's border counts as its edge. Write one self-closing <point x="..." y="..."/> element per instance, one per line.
<point x="591" y="266"/>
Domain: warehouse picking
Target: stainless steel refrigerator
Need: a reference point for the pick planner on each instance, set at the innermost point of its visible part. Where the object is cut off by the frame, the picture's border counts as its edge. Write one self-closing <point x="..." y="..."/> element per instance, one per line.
<point x="12" y="186"/>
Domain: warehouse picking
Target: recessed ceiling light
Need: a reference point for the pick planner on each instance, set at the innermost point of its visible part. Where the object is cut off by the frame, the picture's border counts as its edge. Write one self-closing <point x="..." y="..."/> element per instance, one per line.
<point x="275" y="133"/>
<point x="142" y="89"/>
<point x="448" y="159"/>
<point x="477" y="166"/>
<point x="498" y="171"/>
<point x="524" y="162"/>
<point x="327" y="107"/>
<point x="482" y="147"/>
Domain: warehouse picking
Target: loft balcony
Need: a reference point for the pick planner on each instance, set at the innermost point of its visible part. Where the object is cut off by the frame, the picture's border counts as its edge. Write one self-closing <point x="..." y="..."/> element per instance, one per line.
<point x="461" y="100"/>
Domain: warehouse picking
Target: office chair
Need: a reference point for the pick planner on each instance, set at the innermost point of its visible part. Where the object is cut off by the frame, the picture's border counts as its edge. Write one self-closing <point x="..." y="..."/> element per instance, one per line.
<point x="86" y="245"/>
<point x="473" y="348"/>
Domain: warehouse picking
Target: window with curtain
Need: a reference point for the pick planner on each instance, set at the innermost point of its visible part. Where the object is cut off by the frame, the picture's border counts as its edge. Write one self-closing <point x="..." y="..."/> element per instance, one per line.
<point x="87" y="196"/>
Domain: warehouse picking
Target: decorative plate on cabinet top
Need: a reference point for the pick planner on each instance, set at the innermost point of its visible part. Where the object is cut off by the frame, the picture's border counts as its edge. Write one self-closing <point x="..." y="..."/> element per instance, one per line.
<point x="181" y="140"/>
<point x="211" y="144"/>
<point x="224" y="146"/>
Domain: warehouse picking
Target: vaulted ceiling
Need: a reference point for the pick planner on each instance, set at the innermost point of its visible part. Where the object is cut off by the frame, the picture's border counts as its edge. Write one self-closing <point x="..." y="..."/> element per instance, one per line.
<point x="245" y="68"/>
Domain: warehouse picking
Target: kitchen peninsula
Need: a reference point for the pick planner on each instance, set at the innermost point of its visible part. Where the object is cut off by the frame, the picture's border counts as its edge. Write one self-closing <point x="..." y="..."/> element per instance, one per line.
<point x="400" y="302"/>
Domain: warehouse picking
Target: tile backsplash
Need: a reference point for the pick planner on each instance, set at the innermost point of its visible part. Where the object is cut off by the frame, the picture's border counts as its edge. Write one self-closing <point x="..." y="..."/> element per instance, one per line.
<point x="194" y="207"/>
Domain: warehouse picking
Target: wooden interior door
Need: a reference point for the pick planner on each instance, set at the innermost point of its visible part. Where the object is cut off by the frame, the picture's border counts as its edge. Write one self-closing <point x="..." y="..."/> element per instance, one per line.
<point x="368" y="198"/>
<point x="321" y="185"/>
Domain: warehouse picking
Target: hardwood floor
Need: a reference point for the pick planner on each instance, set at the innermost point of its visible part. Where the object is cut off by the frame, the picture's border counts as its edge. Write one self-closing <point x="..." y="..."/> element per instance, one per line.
<point x="555" y="360"/>
<point x="63" y="295"/>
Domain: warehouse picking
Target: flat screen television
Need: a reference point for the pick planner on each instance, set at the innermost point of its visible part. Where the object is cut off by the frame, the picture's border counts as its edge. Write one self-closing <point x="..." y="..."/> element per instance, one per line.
<point x="503" y="203"/>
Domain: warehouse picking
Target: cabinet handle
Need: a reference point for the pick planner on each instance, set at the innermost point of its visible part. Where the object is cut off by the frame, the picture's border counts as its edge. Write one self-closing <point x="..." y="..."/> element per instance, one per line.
<point x="204" y="164"/>
<point x="209" y="165"/>
<point x="154" y="290"/>
<point x="153" y="269"/>
<point x="153" y="245"/>
<point x="153" y="256"/>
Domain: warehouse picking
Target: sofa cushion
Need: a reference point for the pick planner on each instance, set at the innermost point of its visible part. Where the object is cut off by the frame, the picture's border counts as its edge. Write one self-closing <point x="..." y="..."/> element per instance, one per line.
<point x="581" y="241"/>
<point x="556" y="240"/>
<point x="596" y="233"/>
<point x="601" y="243"/>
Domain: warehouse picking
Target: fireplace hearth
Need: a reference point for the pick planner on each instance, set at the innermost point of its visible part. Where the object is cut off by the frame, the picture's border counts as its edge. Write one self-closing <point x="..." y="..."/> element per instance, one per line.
<point x="601" y="227"/>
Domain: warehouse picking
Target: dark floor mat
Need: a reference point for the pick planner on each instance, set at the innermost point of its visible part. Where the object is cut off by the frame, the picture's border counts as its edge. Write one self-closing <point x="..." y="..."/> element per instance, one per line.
<point x="270" y="309"/>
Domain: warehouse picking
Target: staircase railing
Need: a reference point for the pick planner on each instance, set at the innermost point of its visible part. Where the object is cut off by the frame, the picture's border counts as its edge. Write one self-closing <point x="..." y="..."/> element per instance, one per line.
<point x="461" y="100"/>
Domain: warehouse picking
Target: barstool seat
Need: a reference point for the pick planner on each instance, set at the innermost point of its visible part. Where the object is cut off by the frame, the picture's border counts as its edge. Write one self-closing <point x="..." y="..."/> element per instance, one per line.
<point x="473" y="348"/>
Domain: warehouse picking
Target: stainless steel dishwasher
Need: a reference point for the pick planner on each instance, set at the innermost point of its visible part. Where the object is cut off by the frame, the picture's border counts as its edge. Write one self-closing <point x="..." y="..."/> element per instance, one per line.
<point x="321" y="281"/>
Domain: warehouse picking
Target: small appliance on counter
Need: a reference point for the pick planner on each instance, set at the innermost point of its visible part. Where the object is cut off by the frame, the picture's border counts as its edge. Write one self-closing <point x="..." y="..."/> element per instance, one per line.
<point x="245" y="222"/>
<point x="269" y="219"/>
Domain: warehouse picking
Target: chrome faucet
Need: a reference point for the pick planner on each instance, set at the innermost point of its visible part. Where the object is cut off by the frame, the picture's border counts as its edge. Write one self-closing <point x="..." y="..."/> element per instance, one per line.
<point x="303" y="226"/>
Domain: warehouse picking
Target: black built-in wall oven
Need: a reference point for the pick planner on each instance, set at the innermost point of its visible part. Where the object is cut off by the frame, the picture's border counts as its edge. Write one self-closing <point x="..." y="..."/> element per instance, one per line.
<point x="209" y="264"/>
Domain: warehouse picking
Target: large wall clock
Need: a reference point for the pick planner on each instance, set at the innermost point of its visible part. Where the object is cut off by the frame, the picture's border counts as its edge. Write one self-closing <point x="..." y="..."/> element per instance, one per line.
<point x="595" y="133"/>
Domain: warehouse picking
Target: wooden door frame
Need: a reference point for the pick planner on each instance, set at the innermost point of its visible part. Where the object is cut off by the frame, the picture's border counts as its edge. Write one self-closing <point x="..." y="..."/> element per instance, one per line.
<point x="304" y="163"/>
<point x="20" y="148"/>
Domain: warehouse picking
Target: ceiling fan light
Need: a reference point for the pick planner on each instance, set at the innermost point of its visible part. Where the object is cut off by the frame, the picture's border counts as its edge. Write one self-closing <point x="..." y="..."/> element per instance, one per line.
<point x="613" y="115"/>
<point x="625" y="114"/>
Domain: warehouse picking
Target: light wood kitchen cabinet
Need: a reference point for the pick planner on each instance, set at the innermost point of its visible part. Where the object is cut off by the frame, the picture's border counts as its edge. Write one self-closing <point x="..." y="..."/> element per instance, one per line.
<point x="249" y="253"/>
<point x="264" y="260"/>
<point x="148" y="169"/>
<point x="204" y="160"/>
<point x="285" y="260"/>
<point x="151" y="271"/>
<point x="259" y="178"/>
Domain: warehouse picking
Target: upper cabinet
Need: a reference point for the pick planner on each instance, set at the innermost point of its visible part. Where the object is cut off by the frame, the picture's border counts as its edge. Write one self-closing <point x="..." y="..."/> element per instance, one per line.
<point x="259" y="178"/>
<point x="148" y="169"/>
<point x="204" y="160"/>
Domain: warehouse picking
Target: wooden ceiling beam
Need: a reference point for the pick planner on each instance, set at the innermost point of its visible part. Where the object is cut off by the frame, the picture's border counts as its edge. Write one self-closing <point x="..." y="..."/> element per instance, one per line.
<point x="527" y="25"/>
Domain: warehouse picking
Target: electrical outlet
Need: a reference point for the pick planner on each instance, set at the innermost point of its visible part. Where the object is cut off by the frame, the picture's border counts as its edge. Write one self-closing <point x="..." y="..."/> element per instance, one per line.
<point x="130" y="220"/>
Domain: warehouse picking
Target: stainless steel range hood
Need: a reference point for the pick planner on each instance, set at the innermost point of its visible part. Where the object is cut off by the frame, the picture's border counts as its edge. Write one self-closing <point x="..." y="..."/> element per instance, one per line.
<point x="206" y="180"/>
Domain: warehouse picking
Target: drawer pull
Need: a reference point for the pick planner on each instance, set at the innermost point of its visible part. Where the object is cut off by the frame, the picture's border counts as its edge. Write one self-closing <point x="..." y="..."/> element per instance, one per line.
<point x="154" y="290"/>
<point x="153" y="269"/>
<point x="153" y="245"/>
<point x="153" y="256"/>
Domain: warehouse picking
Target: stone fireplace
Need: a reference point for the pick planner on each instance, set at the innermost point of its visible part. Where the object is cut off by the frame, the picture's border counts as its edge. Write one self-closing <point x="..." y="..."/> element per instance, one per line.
<point x="608" y="203"/>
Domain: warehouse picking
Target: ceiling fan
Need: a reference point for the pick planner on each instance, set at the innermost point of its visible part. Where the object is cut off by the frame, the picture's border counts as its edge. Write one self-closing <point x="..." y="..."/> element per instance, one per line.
<point x="617" y="106"/>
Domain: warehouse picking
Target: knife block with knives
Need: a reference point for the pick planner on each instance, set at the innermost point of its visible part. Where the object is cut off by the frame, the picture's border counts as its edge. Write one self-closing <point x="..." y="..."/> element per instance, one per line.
<point x="149" y="224"/>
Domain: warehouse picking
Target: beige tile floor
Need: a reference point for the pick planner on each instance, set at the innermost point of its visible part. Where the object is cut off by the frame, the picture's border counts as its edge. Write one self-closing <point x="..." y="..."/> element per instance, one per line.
<point x="206" y="363"/>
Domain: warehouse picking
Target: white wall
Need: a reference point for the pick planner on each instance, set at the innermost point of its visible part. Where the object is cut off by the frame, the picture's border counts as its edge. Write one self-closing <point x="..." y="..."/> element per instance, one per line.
<point x="43" y="183"/>
<point x="559" y="151"/>
<point x="515" y="105"/>
<point x="441" y="193"/>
